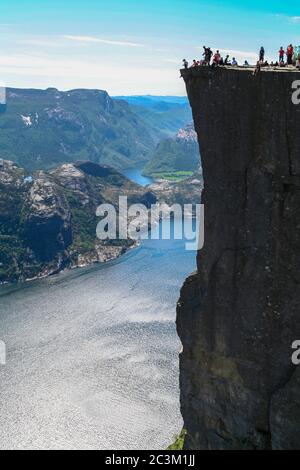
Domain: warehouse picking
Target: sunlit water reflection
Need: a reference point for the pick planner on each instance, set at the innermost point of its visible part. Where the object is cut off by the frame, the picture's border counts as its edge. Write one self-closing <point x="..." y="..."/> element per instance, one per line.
<point x="93" y="354"/>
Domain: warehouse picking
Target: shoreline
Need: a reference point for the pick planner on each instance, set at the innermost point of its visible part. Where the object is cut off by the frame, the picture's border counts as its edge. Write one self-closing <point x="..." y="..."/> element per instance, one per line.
<point x="93" y="262"/>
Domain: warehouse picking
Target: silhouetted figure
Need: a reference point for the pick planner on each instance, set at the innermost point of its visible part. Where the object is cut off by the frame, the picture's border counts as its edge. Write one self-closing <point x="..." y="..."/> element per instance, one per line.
<point x="262" y="54"/>
<point x="185" y="63"/>
<point x="207" y="55"/>
<point x="227" y="61"/>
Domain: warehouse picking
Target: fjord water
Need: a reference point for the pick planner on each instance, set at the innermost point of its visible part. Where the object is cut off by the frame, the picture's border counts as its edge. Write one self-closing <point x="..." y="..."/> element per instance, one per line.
<point x="92" y="354"/>
<point x="136" y="175"/>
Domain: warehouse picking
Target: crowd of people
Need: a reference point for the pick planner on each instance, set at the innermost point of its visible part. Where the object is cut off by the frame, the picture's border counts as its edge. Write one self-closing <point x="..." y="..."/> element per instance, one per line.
<point x="288" y="57"/>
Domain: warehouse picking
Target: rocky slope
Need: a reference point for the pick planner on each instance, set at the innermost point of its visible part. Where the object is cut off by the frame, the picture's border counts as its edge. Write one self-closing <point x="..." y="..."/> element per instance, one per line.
<point x="40" y="129"/>
<point x="238" y="315"/>
<point x="48" y="220"/>
<point x="187" y="191"/>
<point x="175" y="154"/>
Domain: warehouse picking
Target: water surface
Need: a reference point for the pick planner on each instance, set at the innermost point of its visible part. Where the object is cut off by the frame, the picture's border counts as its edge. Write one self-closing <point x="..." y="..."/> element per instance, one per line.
<point x="93" y="354"/>
<point x="135" y="174"/>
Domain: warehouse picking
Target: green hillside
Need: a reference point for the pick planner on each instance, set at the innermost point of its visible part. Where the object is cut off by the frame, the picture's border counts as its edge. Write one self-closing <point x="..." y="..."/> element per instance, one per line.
<point x="175" y="155"/>
<point x="164" y="115"/>
<point x="42" y="128"/>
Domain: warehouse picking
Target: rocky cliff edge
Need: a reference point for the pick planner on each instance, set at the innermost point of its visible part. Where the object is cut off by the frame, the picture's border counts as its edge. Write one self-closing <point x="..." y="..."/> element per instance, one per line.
<point x="239" y="314"/>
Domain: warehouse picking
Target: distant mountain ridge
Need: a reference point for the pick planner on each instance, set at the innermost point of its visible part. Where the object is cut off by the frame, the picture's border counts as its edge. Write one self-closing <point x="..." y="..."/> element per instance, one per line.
<point x="41" y="128"/>
<point x="152" y="101"/>
<point x="164" y="115"/>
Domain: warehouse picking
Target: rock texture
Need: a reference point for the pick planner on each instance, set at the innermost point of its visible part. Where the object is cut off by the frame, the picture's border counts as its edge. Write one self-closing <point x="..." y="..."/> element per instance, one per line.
<point x="47" y="219"/>
<point x="239" y="314"/>
<point x="187" y="191"/>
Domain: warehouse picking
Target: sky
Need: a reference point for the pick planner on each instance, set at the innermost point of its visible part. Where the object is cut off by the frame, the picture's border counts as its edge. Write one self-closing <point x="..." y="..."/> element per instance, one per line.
<point x="133" y="47"/>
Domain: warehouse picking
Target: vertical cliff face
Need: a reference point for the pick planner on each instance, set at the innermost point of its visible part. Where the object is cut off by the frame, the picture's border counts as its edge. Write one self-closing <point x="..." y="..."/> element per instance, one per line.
<point x="240" y="313"/>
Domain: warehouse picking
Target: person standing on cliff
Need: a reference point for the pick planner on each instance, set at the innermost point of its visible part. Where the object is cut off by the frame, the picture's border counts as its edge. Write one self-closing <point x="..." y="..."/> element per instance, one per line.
<point x="262" y="54"/>
<point x="281" y="55"/>
<point x="207" y="55"/>
<point x="290" y="54"/>
<point x="185" y="63"/>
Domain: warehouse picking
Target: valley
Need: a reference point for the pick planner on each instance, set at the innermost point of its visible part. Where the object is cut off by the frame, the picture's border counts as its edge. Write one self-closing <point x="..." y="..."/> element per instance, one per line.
<point x="65" y="153"/>
<point x="39" y="129"/>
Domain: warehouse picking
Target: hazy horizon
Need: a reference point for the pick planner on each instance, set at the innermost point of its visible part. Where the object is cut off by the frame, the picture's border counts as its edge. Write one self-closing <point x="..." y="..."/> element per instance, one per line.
<point x="133" y="95"/>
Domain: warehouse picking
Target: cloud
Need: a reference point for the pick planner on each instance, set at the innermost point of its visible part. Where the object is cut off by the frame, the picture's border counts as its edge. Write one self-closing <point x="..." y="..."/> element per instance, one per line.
<point x="25" y="70"/>
<point x="239" y="55"/>
<point x="288" y="19"/>
<point x="96" y="40"/>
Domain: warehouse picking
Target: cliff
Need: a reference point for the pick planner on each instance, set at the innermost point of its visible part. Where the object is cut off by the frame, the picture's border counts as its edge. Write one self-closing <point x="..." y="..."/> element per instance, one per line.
<point x="238" y="315"/>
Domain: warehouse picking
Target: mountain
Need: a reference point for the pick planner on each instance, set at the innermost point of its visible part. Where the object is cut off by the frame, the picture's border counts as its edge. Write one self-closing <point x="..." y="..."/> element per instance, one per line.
<point x="41" y="128"/>
<point x="48" y="219"/>
<point x="175" y="154"/>
<point x="164" y="115"/>
<point x="151" y="101"/>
